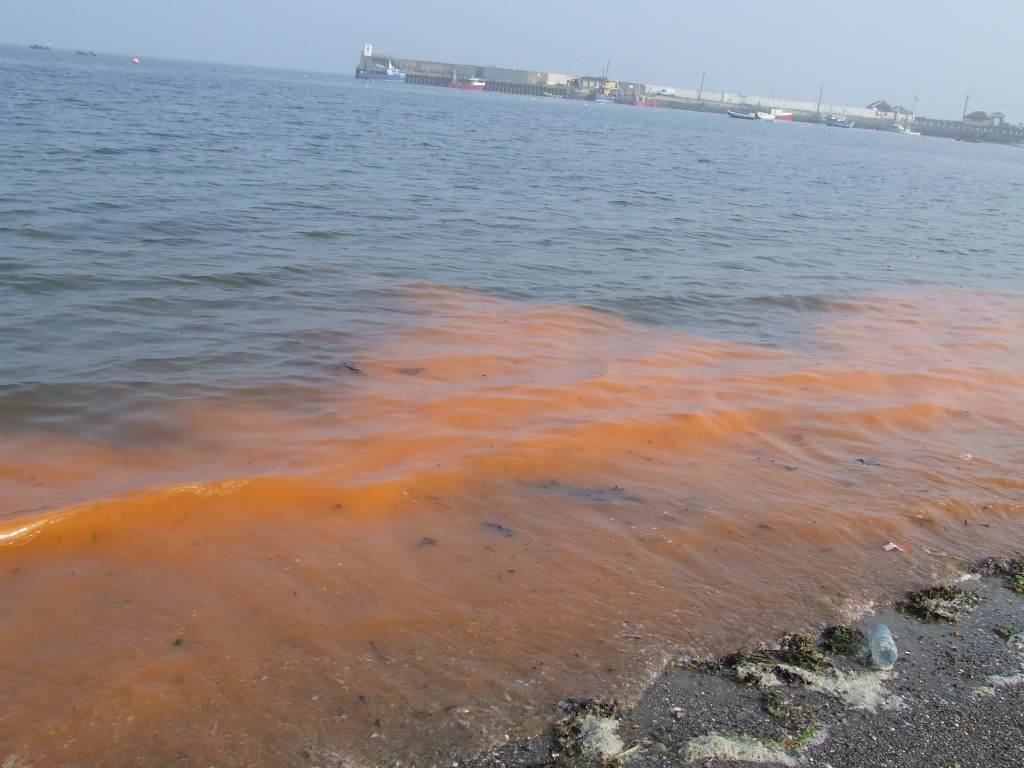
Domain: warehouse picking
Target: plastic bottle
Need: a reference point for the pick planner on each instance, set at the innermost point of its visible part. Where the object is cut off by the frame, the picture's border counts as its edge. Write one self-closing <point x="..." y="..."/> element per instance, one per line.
<point x="883" y="647"/>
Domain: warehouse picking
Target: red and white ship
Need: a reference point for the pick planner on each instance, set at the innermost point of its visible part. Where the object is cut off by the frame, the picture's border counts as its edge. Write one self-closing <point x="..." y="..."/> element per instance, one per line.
<point x="473" y="84"/>
<point x="781" y="114"/>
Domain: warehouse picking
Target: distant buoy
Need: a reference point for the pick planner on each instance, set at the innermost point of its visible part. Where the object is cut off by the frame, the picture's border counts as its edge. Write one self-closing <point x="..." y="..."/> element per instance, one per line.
<point x="135" y="61"/>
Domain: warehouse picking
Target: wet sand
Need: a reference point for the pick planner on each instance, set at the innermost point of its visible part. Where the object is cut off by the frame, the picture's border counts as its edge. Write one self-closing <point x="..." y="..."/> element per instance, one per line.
<point x="953" y="698"/>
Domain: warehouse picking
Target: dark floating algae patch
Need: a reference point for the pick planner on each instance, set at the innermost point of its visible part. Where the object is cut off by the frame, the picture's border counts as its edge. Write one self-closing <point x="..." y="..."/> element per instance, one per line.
<point x="944" y="603"/>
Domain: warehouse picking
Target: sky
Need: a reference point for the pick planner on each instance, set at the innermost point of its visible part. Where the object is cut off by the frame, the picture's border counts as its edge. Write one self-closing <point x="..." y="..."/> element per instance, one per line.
<point x="943" y="52"/>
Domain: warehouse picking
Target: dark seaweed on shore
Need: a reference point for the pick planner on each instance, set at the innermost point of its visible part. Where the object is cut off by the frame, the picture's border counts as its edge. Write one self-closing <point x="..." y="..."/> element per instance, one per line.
<point x="1009" y="569"/>
<point x="943" y="603"/>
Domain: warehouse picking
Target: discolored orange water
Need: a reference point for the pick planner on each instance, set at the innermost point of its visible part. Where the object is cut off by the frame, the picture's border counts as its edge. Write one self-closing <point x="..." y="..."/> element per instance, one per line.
<point x="506" y="504"/>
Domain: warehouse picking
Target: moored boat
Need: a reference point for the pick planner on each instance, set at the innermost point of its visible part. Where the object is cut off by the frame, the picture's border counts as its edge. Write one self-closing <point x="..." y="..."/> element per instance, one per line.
<point x="378" y="71"/>
<point x="837" y="121"/>
<point x="781" y="114"/>
<point x="609" y="93"/>
<point x="378" y="67"/>
<point x="742" y="115"/>
<point x="472" y="84"/>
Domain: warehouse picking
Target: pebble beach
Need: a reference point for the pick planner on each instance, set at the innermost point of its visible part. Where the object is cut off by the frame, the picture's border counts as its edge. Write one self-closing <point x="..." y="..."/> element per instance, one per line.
<point x="953" y="698"/>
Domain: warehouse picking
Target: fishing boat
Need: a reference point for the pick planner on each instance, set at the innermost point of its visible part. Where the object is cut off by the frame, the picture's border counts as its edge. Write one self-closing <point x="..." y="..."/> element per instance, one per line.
<point x="472" y="84"/>
<point x="39" y="47"/>
<point x="837" y="121"/>
<point x="742" y="115"/>
<point x="905" y="130"/>
<point x="376" y="70"/>
<point x="630" y="97"/>
<point x="85" y="53"/>
<point x="609" y="93"/>
<point x="768" y="116"/>
<point x="781" y="114"/>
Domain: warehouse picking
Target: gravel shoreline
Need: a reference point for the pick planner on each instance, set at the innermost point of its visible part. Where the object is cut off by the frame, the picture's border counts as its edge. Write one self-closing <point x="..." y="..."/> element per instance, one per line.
<point x="954" y="698"/>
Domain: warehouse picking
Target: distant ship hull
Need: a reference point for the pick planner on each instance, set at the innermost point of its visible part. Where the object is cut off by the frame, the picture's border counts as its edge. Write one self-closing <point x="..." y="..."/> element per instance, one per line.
<point x="473" y="84"/>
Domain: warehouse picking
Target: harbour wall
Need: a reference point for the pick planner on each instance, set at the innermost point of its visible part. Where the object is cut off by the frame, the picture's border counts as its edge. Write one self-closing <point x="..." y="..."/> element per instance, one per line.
<point x="535" y="83"/>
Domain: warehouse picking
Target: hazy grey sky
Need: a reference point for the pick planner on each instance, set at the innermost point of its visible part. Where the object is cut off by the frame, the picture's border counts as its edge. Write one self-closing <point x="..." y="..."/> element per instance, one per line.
<point x="860" y="51"/>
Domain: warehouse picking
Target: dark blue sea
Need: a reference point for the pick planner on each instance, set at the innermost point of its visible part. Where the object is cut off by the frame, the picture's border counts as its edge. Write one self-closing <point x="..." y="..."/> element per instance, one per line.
<point x="367" y="420"/>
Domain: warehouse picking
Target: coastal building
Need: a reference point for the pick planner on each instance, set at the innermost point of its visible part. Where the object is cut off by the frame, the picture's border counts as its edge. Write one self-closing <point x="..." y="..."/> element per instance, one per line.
<point x="883" y="111"/>
<point x="980" y="118"/>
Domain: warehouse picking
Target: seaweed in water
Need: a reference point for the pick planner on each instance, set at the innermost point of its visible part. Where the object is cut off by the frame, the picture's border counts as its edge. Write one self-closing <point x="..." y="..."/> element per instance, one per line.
<point x="935" y="604"/>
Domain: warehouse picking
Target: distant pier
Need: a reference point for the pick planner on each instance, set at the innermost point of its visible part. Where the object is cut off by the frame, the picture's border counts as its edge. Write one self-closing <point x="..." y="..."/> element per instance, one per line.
<point x="523" y="82"/>
<point x="498" y="86"/>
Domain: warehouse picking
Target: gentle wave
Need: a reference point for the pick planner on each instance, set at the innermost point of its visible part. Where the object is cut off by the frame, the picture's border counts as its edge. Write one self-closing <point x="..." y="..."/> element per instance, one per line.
<point x="494" y="483"/>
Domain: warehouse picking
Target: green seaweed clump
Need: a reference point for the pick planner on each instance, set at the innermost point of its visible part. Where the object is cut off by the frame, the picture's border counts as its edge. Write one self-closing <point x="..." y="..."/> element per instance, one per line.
<point x="799" y="651"/>
<point x="784" y="709"/>
<point x="935" y="604"/>
<point x="1015" y="583"/>
<point x="1010" y="569"/>
<point x="841" y="640"/>
<point x="567" y="735"/>
<point x="796" y="650"/>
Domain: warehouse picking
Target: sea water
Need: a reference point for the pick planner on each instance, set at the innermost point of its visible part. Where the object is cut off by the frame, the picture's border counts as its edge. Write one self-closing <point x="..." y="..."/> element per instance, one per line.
<point x="361" y="423"/>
